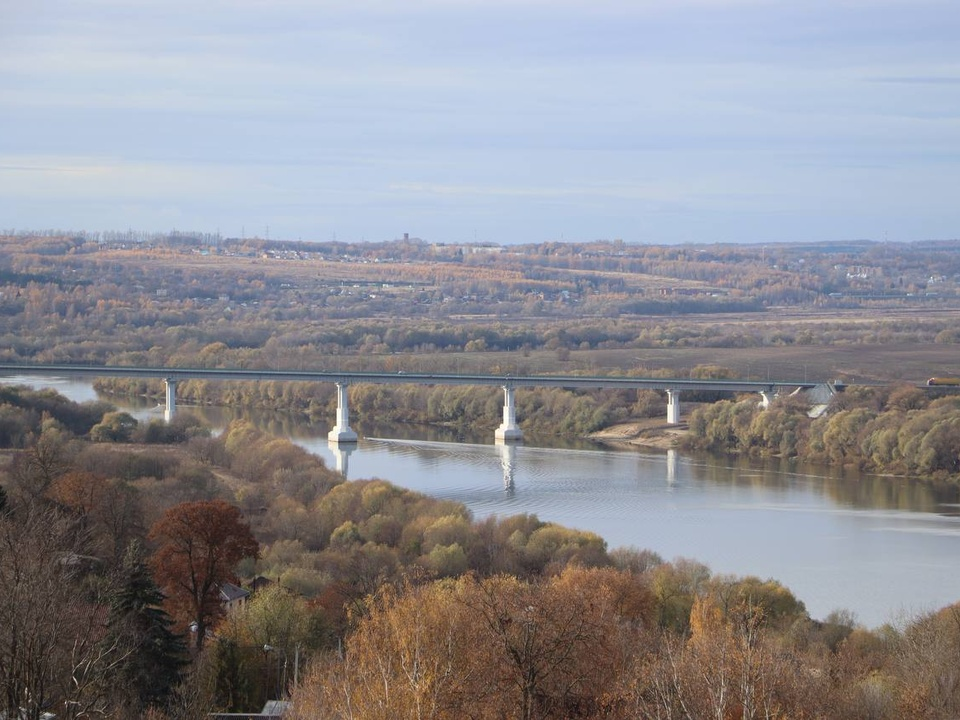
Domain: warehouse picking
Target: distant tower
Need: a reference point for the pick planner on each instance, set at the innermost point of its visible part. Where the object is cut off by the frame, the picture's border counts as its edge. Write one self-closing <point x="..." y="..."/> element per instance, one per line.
<point x="406" y="236"/>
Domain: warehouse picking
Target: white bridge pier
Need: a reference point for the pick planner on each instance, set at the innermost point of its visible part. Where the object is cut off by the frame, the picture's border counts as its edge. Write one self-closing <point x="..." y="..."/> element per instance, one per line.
<point x="509" y="431"/>
<point x="342" y="432"/>
<point x="170" y="409"/>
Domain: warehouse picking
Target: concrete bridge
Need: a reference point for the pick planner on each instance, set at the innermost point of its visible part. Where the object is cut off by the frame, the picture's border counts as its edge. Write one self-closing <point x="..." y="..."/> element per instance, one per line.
<point x="508" y="431"/>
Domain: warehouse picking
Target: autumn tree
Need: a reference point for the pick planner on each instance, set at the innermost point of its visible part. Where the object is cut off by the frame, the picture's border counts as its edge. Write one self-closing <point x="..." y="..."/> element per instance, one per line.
<point x="114" y="427"/>
<point x="53" y="654"/>
<point x="262" y="646"/>
<point x="199" y="545"/>
<point x="553" y="645"/>
<point x="487" y="649"/>
<point x="414" y="655"/>
<point x="926" y="674"/>
<point x="34" y="470"/>
<point x="107" y="511"/>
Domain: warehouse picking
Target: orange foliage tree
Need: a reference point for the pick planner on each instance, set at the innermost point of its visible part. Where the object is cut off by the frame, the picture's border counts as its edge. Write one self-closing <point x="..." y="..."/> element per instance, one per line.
<point x="199" y="544"/>
<point x="486" y="649"/>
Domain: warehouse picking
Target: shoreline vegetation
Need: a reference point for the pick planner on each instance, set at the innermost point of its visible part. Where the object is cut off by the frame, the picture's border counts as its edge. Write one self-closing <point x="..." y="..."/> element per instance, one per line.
<point x="897" y="429"/>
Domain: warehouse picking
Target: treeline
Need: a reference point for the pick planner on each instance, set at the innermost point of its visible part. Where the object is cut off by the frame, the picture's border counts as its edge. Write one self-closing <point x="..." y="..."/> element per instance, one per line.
<point x="547" y="411"/>
<point x="894" y="430"/>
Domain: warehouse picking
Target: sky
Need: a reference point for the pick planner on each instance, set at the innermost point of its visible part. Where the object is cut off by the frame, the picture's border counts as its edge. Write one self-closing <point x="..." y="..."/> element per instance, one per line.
<point x="505" y="121"/>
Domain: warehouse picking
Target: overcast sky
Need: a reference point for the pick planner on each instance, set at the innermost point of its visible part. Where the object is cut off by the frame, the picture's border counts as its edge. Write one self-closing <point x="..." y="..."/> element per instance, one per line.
<point x="484" y="120"/>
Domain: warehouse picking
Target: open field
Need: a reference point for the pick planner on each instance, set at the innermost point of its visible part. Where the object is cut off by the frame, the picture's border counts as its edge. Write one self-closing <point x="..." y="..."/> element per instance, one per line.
<point x="867" y="363"/>
<point x="906" y="362"/>
<point x="857" y="312"/>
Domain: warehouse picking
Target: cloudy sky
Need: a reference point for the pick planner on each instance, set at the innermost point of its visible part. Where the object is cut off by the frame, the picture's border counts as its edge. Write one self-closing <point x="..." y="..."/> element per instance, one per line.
<point x="491" y="120"/>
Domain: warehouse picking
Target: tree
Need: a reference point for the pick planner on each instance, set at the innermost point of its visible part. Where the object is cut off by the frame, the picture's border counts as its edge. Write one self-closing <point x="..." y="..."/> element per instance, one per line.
<point x="414" y="655"/>
<point x="551" y="645"/>
<point x="107" y="511"/>
<point x="261" y="646"/>
<point x="157" y="655"/>
<point x="34" y="470"/>
<point x="200" y="543"/>
<point x="484" y="649"/>
<point x="115" y="427"/>
<point x="53" y="655"/>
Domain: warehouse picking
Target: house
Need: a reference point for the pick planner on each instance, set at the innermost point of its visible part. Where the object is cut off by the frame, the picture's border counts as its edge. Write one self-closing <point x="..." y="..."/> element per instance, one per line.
<point x="259" y="583"/>
<point x="233" y="597"/>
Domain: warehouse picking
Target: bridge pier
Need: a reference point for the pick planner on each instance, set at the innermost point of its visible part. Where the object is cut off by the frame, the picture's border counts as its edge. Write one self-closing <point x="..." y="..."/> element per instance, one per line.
<point x="673" y="407"/>
<point x="509" y="431"/>
<point x="171" y="399"/>
<point x="342" y="433"/>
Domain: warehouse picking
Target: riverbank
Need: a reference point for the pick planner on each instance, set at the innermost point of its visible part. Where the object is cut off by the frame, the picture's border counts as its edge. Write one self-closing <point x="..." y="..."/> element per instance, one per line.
<point x="650" y="433"/>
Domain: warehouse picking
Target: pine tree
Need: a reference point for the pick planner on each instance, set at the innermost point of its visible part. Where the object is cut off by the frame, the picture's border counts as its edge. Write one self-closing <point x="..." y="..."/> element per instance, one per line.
<point x="158" y="655"/>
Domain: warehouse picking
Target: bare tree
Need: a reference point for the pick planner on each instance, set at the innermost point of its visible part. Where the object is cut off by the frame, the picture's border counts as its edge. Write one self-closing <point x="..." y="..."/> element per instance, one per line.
<point x="52" y="620"/>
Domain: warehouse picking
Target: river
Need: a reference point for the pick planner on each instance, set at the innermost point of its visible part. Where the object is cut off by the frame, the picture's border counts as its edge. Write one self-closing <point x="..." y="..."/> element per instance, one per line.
<point x="883" y="549"/>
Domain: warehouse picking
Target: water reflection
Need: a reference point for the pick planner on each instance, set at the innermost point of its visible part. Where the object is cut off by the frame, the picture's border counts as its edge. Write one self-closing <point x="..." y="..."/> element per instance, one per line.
<point x="844" y="486"/>
<point x="341" y="453"/>
<point x="508" y="458"/>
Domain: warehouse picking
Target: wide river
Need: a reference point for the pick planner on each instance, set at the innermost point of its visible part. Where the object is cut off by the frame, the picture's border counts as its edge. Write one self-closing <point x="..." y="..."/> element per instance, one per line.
<point x="883" y="549"/>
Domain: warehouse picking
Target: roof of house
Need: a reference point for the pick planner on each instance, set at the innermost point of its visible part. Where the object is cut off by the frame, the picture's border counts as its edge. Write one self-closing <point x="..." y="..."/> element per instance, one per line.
<point x="259" y="582"/>
<point x="230" y="592"/>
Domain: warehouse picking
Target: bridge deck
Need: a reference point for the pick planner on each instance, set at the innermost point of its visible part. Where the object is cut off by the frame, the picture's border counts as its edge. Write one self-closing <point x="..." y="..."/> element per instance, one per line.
<point x="349" y="378"/>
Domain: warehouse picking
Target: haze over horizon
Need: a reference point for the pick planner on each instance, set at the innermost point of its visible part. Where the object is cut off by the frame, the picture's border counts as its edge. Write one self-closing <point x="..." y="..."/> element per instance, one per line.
<point x="652" y="121"/>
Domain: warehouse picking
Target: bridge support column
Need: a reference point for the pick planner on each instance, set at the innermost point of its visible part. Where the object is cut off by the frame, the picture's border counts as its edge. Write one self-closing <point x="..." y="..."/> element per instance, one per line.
<point x="341" y="432"/>
<point x="509" y="431"/>
<point x="673" y="407"/>
<point x="171" y="399"/>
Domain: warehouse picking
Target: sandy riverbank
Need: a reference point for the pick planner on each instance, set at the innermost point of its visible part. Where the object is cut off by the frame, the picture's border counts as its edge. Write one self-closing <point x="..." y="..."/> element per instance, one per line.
<point x="646" y="433"/>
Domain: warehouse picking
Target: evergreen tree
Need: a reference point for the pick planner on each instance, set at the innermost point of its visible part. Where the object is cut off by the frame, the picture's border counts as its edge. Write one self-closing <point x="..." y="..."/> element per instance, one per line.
<point x="157" y="654"/>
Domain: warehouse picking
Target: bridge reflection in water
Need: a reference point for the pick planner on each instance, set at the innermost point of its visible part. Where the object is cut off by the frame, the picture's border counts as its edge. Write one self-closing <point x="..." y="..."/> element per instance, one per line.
<point x="508" y="459"/>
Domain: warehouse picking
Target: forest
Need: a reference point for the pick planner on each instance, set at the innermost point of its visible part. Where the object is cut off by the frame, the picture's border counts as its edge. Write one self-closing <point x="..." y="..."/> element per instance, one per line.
<point x="370" y="601"/>
<point x="897" y="430"/>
